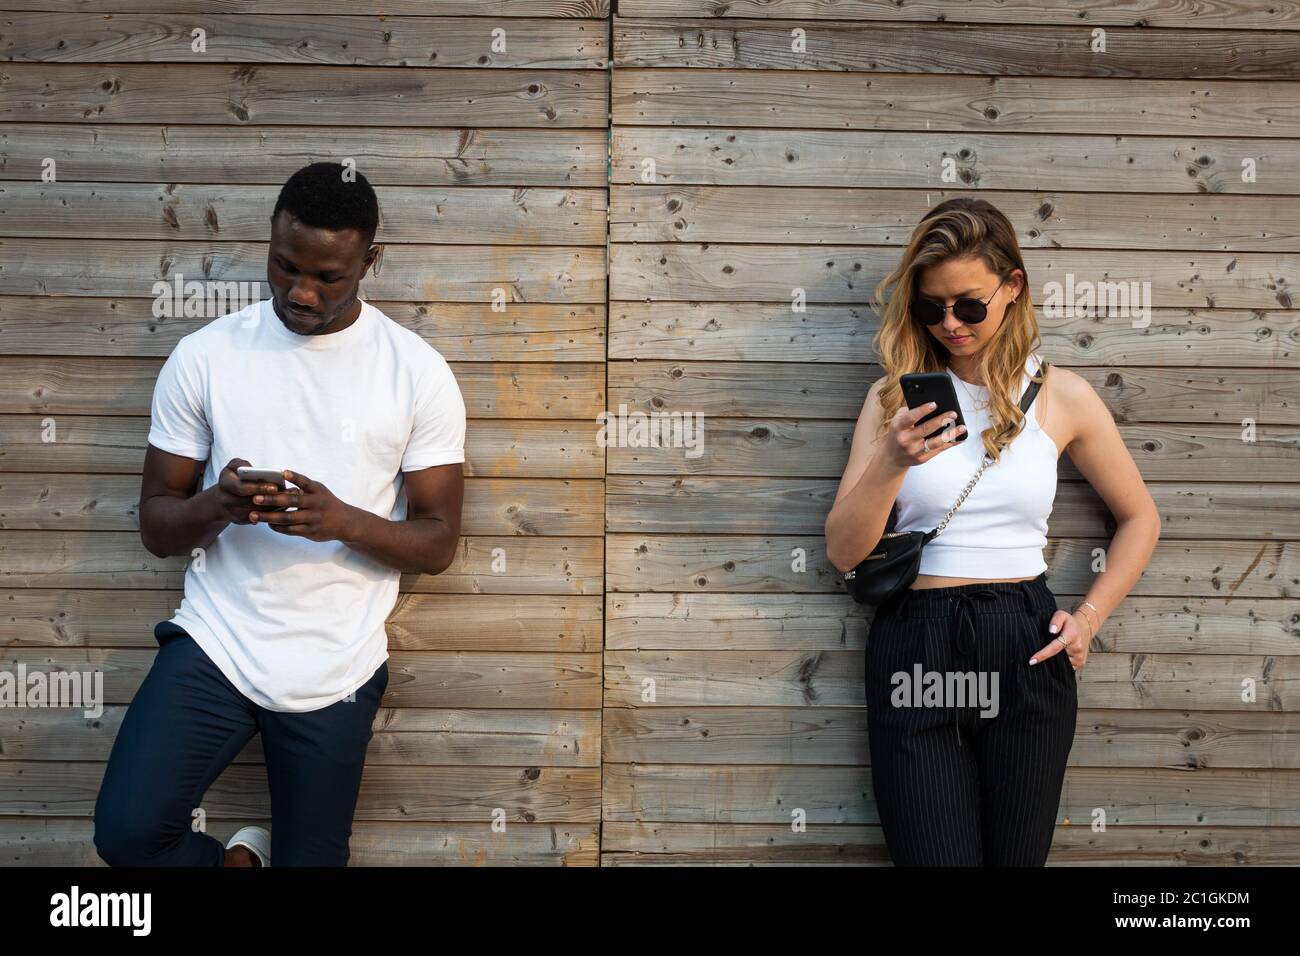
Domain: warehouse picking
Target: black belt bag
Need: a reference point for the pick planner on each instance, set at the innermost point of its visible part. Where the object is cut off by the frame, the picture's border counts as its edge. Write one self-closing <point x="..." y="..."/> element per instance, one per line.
<point x="892" y="567"/>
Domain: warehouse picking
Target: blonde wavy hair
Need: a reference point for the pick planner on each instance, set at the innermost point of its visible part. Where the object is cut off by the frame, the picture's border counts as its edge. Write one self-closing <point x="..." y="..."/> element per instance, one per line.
<point x="957" y="229"/>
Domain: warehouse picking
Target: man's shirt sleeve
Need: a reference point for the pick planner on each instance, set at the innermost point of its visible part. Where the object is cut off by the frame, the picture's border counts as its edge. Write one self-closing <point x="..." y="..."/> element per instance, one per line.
<point x="179" y="423"/>
<point x="438" y="429"/>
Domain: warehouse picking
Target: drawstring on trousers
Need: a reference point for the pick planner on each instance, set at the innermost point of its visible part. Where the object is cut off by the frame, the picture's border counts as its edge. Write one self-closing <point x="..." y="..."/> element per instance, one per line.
<point x="966" y="638"/>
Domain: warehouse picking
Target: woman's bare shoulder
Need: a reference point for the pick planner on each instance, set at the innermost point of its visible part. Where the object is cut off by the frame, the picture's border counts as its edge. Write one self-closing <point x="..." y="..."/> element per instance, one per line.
<point x="1078" y="406"/>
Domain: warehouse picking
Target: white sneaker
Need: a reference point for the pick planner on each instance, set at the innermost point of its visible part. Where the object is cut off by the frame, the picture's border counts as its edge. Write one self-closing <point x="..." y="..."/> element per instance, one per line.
<point x="257" y="840"/>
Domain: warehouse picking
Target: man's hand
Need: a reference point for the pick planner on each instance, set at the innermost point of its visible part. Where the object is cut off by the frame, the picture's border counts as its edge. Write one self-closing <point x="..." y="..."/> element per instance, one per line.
<point x="234" y="497"/>
<point x="319" y="516"/>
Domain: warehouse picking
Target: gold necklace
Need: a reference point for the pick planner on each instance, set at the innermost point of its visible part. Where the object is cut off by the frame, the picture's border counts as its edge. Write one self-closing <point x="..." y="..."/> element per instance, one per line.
<point x="973" y="401"/>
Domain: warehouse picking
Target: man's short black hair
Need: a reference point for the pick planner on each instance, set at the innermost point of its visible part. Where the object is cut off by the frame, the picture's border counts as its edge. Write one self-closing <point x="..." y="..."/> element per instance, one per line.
<point x="319" y="196"/>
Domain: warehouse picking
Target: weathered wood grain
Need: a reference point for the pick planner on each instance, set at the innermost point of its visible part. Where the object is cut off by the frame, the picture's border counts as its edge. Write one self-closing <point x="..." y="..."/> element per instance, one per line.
<point x="460" y="331"/>
<point x="761" y="272"/>
<point x="833" y="622"/>
<point x="264" y="37"/>
<point x="124" y="386"/>
<point x="301" y="95"/>
<point x="1230" y="14"/>
<point x="148" y="153"/>
<point x="825" y="735"/>
<point x="1134" y="395"/>
<point x="794" y="564"/>
<point x="48" y="617"/>
<point x="458" y="215"/>
<point x="409" y="271"/>
<point x="1051" y="220"/>
<point x="772" y="332"/>
<point x="800" y="100"/>
<point x="957" y="48"/>
<point x="34" y="841"/>
<point x="404" y="736"/>
<point x="492" y="506"/>
<point x="470" y="794"/>
<point x="116" y="559"/>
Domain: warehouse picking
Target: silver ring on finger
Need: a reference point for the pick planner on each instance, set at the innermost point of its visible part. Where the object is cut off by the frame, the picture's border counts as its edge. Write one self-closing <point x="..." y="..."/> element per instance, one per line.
<point x="926" y="444"/>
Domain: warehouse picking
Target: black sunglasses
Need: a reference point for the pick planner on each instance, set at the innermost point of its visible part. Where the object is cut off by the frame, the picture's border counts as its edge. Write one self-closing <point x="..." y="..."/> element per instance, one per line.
<point x="970" y="311"/>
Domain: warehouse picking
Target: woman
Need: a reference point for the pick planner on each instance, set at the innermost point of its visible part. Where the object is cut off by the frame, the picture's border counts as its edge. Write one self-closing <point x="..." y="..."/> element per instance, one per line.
<point x="960" y="781"/>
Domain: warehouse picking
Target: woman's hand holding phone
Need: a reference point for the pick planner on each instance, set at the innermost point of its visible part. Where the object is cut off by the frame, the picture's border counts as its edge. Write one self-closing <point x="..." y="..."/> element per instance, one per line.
<point x="905" y="443"/>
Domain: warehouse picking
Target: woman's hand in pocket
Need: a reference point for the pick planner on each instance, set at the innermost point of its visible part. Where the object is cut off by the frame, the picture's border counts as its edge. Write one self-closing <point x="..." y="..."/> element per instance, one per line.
<point x="1073" y="631"/>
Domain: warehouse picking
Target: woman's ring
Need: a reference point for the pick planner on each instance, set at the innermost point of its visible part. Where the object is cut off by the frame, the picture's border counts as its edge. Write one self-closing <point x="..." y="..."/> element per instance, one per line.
<point x="926" y="444"/>
<point x="1064" y="643"/>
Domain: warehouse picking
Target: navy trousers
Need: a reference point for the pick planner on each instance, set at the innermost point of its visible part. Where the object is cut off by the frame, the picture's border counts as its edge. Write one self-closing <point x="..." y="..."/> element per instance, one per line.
<point x="185" y="725"/>
<point x="959" y="781"/>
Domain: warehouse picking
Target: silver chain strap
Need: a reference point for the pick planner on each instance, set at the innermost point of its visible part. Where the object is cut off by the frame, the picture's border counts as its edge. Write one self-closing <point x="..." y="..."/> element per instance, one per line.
<point x="962" y="497"/>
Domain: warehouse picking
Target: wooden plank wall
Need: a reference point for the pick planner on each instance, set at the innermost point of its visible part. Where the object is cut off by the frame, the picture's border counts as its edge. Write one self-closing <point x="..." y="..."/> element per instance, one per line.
<point x="491" y="170"/>
<point x="731" y="675"/>
<point x="776" y="170"/>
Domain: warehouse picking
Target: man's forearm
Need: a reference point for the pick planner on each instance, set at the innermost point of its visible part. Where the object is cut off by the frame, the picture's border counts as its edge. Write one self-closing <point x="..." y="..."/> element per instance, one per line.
<point x="176" y="526"/>
<point x="418" y="545"/>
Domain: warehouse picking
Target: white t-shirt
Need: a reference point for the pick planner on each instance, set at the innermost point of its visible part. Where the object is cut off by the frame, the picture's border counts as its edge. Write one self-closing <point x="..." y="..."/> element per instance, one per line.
<point x="295" y="624"/>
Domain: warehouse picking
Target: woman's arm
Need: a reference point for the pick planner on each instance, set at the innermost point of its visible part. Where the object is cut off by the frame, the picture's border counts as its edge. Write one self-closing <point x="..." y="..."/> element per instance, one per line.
<point x="1098" y="451"/>
<point x="873" y="475"/>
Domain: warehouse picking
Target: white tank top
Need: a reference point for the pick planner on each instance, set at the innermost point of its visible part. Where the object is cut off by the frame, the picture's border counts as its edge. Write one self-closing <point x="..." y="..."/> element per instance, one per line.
<point x="1001" y="528"/>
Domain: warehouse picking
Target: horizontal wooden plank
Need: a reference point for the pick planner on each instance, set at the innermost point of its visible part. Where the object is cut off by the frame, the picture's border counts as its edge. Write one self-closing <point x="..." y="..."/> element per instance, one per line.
<point x="726" y="844"/>
<point x="40" y="617"/>
<point x="301" y="95"/>
<point x="688" y="678"/>
<point x="656" y="504"/>
<point x="103" y="267"/>
<point x="502" y="448"/>
<point x="492" y="506"/>
<point x="446" y="8"/>
<point x="1230" y="14"/>
<point x="884" y="101"/>
<point x="1146" y="395"/>
<point x="1023" y="49"/>
<point x="534" y="44"/>
<point x="823" y="735"/>
<point x="471" y="794"/>
<point x="117" y="559"/>
<point x="416" y="678"/>
<point x="770" y="332"/>
<point x="935" y="161"/>
<point x="458" y="215"/>
<point x="758" y="273"/>
<point x="404" y="736"/>
<point x="831" y="622"/>
<point x="124" y="386"/>
<point x="1053" y="220"/>
<point x="702" y="844"/>
<point x="810" y="448"/>
<point x="460" y="331"/>
<point x="145" y="153"/>
<point x="32" y="841"/>
<point x="795" y="564"/>
<point x="1131" y="797"/>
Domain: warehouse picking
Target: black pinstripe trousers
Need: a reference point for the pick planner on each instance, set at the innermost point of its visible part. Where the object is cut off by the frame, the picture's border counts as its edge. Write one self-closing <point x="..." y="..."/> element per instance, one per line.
<point x="968" y="741"/>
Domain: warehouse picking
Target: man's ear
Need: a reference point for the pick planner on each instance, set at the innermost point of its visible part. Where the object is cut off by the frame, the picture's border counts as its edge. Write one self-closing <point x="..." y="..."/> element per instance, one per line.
<point x="374" y="259"/>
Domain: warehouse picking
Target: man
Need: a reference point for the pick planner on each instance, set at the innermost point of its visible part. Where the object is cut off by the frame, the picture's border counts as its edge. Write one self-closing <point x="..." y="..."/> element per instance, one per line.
<point x="281" y="630"/>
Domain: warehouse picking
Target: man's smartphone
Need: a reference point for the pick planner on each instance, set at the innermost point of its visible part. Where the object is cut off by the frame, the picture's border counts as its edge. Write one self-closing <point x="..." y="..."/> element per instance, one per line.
<point x="922" y="387"/>
<point x="268" y="475"/>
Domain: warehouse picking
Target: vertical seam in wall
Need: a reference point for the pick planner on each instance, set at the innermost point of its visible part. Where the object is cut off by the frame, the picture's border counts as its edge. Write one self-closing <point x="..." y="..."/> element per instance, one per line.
<point x="604" y="543"/>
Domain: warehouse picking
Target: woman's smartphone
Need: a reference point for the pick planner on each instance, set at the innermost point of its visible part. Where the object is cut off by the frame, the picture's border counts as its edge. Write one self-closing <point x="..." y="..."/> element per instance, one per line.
<point x="922" y="387"/>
